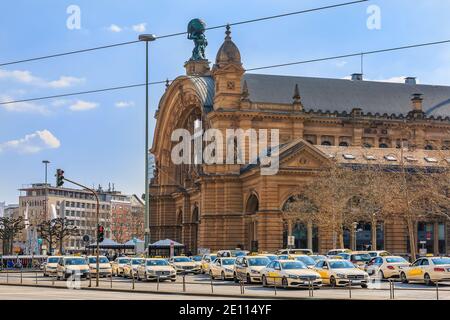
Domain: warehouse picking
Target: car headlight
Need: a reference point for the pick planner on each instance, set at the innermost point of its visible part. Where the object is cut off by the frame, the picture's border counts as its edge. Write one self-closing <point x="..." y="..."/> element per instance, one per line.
<point x="341" y="275"/>
<point x="254" y="271"/>
<point x="151" y="271"/>
<point x="293" y="276"/>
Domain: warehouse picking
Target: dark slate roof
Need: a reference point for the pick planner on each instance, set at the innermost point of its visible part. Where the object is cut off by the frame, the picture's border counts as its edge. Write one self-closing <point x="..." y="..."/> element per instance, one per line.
<point x="344" y="95"/>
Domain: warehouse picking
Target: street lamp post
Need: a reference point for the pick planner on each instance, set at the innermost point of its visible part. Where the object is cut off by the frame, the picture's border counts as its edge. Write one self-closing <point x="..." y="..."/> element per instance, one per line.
<point x="46" y="163"/>
<point x="146" y="38"/>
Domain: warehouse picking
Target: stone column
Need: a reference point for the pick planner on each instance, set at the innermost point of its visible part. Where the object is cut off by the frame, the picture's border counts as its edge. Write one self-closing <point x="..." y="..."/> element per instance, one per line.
<point x="310" y="234"/>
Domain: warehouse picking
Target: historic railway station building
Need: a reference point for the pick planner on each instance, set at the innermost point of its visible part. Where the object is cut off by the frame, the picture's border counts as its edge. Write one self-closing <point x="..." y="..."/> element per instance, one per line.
<point x="229" y="206"/>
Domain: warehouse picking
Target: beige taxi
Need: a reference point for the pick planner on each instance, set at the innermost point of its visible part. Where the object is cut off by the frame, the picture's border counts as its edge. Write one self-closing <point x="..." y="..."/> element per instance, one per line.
<point x="50" y="266"/>
<point x="104" y="266"/>
<point x="72" y="266"/>
<point x="130" y="269"/>
<point x="306" y="259"/>
<point x="222" y="268"/>
<point x="207" y="259"/>
<point x="385" y="267"/>
<point x="289" y="273"/>
<point x="156" y="269"/>
<point x="340" y="272"/>
<point x="183" y="264"/>
<point x="249" y="268"/>
<point x="427" y="270"/>
<point x="118" y="264"/>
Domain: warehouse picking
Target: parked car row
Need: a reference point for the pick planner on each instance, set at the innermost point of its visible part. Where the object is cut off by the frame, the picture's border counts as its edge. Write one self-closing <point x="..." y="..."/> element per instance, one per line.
<point x="286" y="268"/>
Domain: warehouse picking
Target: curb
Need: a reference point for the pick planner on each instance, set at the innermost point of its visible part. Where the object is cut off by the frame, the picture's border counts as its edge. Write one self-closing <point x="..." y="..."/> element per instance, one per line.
<point x="170" y="292"/>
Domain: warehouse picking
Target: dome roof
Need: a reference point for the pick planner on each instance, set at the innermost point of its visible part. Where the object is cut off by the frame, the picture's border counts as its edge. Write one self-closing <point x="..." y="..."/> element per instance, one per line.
<point x="228" y="52"/>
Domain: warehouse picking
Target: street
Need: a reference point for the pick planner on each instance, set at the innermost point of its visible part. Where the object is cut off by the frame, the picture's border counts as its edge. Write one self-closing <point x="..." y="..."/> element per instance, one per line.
<point x="199" y="287"/>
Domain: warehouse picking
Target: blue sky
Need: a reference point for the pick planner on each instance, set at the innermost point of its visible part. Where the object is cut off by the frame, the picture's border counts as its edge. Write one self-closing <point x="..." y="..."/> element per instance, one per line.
<point x="99" y="138"/>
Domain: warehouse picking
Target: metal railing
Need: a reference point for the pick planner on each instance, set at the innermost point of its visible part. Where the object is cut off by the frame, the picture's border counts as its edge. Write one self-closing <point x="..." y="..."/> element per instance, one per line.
<point x="188" y="284"/>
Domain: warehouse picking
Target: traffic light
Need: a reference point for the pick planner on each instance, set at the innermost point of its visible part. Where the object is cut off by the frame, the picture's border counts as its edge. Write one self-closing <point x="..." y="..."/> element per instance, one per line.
<point x="59" y="177"/>
<point x="100" y="233"/>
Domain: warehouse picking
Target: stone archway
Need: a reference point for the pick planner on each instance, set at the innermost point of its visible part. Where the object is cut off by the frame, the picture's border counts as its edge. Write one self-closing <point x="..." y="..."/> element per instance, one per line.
<point x="251" y="224"/>
<point x="305" y="232"/>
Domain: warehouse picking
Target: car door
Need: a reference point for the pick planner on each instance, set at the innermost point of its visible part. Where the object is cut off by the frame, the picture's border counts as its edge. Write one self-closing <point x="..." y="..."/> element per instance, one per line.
<point x="277" y="273"/>
<point x="415" y="271"/>
<point x="371" y="266"/>
<point x="272" y="272"/>
<point x="424" y="267"/>
<point x="241" y="268"/>
<point x="215" y="267"/>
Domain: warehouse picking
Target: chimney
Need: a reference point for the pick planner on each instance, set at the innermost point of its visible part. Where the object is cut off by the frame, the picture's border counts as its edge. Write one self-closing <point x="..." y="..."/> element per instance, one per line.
<point x="410" y="80"/>
<point x="417" y="102"/>
<point x="357" y="77"/>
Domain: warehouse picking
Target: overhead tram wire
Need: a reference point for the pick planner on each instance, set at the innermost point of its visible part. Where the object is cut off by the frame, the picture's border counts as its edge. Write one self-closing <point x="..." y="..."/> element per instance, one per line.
<point x="181" y="33"/>
<point x="251" y="69"/>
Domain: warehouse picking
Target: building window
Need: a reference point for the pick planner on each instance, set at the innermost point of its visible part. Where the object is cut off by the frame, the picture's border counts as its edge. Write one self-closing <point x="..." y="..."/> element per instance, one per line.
<point x="384" y="146"/>
<point x="428" y="147"/>
<point x="343" y="144"/>
<point x="326" y="143"/>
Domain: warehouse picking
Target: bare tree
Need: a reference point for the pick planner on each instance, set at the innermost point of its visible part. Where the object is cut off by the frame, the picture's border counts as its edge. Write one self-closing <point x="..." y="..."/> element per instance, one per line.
<point x="47" y="231"/>
<point x="9" y="228"/>
<point x="65" y="228"/>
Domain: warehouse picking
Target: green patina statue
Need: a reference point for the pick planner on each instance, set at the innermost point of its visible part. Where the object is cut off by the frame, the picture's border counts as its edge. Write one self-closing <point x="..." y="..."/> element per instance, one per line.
<point x="196" y="32"/>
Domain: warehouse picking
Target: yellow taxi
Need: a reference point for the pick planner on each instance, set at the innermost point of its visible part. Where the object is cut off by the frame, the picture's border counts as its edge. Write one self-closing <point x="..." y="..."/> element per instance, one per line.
<point x="118" y="264"/>
<point x="207" y="259"/>
<point x="223" y="268"/>
<point x="50" y="266"/>
<point x="198" y="261"/>
<point x="249" y="268"/>
<point x="104" y="266"/>
<point x="295" y="251"/>
<point x="129" y="269"/>
<point x="289" y="273"/>
<point x="379" y="253"/>
<point x="335" y="252"/>
<point x="358" y="258"/>
<point x="385" y="267"/>
<point x="156" y="268"/>
<point x="184" y="264"/>
<point x="72" y="265"/>
<point x="340" y="272"/>
<point x="427" y="270"/>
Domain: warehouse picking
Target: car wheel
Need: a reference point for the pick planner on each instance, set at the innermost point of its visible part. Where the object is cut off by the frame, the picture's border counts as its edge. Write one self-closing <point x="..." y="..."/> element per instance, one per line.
<point x="264" y="281"/>
<point x="249" y="279"/>
<point x="145" y="276"/>
<point x="380" y="275"/>
<point x="284" y="283"/>
<point x="332" y="282"/>
<point x="364" y="285"/>
<point x="403" y="278"/>
<point x="223" y="278"/>
<point x="235" y="278"/>
<point x="211" y="275"/>
<point x="427" y="280"/>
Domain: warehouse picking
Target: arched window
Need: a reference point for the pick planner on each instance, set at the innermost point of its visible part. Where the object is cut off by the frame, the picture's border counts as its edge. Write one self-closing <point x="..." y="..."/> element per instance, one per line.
<point x="343" y="144"/>
<point x="367" y="145"/>
<point x="326" y="143"/>
<point x="384" y="145"/>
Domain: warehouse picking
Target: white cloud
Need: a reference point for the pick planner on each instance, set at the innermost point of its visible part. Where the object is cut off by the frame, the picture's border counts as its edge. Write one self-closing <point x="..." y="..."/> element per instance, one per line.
<point x="32" y="143"/>
<point x="141" y="27"/>
<point x="65" y="82"/>
<point x="399" y="79"/>
<point x="341" y="64"/>
<point x="124" y="104"/>
<point x="81" y="105"/>
<point x="114" y="28"/>
<point x="26" y="77"/>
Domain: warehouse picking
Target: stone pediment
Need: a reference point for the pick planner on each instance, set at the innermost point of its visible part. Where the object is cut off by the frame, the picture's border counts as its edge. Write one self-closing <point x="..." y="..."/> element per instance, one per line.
<point x="302" y="155"/>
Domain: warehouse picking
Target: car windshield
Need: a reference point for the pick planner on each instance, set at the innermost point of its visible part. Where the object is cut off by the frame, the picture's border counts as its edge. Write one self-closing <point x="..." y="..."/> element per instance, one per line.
<point x="157" y="263"/>
<point x="317" y="258"/>
<point x="136" y="261"/>
<point x="344" y="264"/>
<point x="52" y="260"/>
<point x="271" y="258"/>
<point x="228" y="262"/>
<point x="240" y="253"/>
<point x="439" y="261"/>
<point x="293" y="265"/>
<point x="283" y="257"/>
<point x="124" y="261"/>
<point x="393" y="260"/>
<point x="372" y="254"/>
<point x="197" y="258"/>
<point x="306" y="260"/>
<point x="182" y="259"/>
<point x="75" y="262"/>
<point x="213" y="257"/>
<point x="258" y="261"/>
<point x="361" y="257"/>
<point x="344" y="255"/>
<point x="100" y="259"/>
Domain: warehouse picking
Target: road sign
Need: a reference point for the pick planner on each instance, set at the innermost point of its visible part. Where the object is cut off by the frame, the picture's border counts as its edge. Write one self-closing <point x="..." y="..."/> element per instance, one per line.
<point x="86" y="238"/>
<point x="291" y="240"/>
